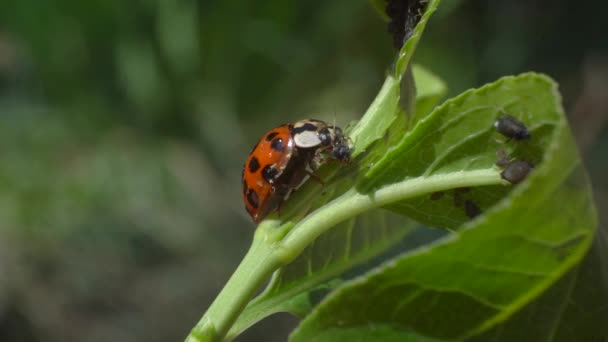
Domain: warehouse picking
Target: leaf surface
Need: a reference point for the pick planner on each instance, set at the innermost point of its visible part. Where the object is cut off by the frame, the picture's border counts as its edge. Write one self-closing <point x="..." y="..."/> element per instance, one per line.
<point x="527" y="238"/>
<point x="319" y="267"/>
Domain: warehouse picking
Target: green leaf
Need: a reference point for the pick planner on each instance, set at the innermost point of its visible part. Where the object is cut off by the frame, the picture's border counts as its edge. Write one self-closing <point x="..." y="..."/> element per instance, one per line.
<point x="385" y="110"/>
<point x="430" y="89"/>
<point x="371" y="332"/>
<point x="289" y="287"/>
<point x="347" y="245"/>
<point x="407" y="50"/>
<point x="458" y="137"/>
<point x="310" y="213"/>
<point x="568" y="311"/>
<point x="525" y="241"/>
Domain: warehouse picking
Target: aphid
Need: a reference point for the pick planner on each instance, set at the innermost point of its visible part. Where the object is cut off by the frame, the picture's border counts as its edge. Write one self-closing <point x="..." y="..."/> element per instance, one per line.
<point x="511" y="128"/>
<point x="284" y="158"/>
<point x="516" y="171"/>
<point x="471" y="209"/>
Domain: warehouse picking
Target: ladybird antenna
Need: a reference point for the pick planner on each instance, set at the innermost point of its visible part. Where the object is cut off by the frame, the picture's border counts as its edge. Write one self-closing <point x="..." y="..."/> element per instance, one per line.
<point x="334" y="124"/>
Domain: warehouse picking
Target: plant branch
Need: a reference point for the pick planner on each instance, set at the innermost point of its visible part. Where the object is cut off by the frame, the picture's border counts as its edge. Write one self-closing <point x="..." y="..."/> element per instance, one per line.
<point x="353" y="203"/>
<point x="254" y="269"/>
<point x="267" y="254"/>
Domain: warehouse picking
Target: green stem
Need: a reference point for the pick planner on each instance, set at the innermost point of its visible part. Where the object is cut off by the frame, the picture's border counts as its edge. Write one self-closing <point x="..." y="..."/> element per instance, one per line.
<point x="255" y="268"/>
<point x="267" y="254"/>
<point x="353" y="203"/>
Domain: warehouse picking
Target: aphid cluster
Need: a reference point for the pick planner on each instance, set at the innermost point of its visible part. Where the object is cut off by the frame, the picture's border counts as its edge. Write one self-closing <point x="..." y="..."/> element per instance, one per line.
<point x="284" y="158"/>
<point x="514" y="171"/>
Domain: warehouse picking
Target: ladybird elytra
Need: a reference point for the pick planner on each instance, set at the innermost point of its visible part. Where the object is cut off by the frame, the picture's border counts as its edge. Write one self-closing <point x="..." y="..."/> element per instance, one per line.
<point x="263" y="166"/>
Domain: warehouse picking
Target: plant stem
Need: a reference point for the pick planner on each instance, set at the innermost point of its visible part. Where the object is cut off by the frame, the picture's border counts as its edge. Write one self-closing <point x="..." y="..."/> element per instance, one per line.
<point x="353" y="203"/>
<point x="267" y="254"/>
<point x="255" y="268"/>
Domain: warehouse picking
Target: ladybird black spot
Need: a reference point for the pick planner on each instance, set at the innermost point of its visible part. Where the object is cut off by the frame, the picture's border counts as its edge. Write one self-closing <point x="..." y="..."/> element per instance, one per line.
<point x="252" y="198"/>
<point x="304" y="128"/>
<point x="254" y="164"/>
<point x="277" y="145"/>
<point x="269" y="173"/>
<point x="271" y="136"/>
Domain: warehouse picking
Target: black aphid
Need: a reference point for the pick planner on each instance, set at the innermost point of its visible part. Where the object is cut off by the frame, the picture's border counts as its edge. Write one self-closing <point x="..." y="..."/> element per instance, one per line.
<point x="471" y="209"/>
<point x="511" y="128"/>
<point x="517" y="171"/>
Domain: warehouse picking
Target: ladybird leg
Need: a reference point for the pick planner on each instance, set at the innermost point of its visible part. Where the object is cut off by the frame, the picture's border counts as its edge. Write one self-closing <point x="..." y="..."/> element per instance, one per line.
<point x="313" y="165"/>
<point x="320" y="157"/>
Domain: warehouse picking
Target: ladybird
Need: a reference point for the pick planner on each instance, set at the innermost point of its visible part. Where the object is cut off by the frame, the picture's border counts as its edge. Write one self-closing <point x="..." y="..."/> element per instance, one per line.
<point x="511" y="128"/>
<point x="284" y="158"/>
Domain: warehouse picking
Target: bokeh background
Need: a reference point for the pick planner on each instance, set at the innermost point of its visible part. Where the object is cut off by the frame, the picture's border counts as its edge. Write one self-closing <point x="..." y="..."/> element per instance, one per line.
<point x="124" y="125"/>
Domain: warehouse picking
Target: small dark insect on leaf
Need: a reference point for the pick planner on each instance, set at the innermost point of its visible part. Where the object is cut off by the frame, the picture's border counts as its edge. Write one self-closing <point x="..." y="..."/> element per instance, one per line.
<point x="517" y="171"/>
<point x="511" y="128"/>
<point x="471" y="209"/>
<point x="404" y="15"/>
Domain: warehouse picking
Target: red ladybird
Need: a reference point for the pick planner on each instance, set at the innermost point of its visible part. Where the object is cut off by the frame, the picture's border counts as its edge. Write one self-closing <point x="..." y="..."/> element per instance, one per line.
<point x="283" y="159"/>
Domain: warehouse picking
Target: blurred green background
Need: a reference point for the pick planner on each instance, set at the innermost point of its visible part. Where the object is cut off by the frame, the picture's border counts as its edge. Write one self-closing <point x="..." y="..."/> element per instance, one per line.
<point x="123" y="126"/>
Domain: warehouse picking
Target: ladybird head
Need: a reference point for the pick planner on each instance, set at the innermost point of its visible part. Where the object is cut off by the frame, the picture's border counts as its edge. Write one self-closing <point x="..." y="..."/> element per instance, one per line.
<point x="340" y="144"/>
<point x="341" y="152"/>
